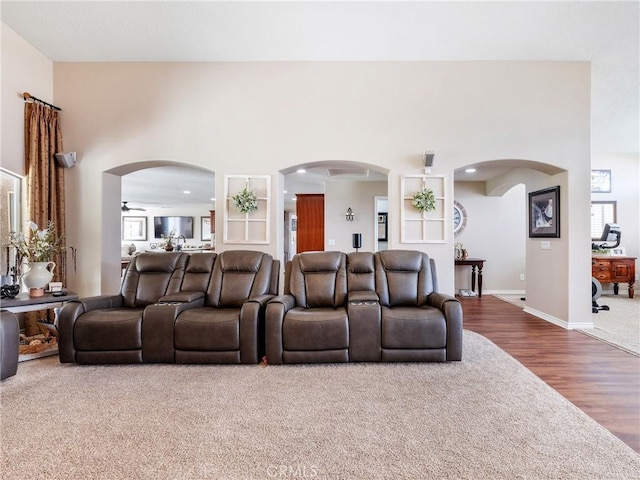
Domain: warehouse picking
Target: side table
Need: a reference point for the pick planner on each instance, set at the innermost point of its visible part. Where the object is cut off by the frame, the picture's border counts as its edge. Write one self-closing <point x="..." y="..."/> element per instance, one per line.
<point x="24" y="303"/>
<point x="475" y="263"/>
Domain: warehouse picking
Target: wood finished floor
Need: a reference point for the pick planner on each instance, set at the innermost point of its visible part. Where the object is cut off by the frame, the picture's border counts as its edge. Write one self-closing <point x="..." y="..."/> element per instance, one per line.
<point x="602" y="380"/>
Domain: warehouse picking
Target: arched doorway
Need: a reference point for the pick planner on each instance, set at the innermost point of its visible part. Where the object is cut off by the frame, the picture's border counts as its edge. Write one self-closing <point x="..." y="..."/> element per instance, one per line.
<point x="343" y="185"/>
<point x="158" y="188"/>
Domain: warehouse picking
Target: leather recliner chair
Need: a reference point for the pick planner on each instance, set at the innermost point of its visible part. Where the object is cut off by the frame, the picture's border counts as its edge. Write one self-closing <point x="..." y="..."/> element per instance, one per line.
<point x="229" y="326"/>
<point x="418" y="324"/>
<point x="108" y="328"/>
<point x="310" y="324"/>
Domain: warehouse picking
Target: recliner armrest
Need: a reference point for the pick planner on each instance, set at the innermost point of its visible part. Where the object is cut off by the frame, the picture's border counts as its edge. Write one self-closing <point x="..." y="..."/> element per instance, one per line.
<point x="288" y="301"/>
<point x="277" y="307"/>
<point x="438" y="300"/>
<point x="452" y="310"/>
<point x="186" y="296"/>
<point x="99" y="302"/>
<point x="261" y="299"/>
<point x="363" y="296"/>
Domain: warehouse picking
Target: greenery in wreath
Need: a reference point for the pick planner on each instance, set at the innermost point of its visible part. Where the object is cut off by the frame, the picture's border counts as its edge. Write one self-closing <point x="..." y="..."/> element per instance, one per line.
<point x="424" y="200"/>
<point x="245" y="201"/>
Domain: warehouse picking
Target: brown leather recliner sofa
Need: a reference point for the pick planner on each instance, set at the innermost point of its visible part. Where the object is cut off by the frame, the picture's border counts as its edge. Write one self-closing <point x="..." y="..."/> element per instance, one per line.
<point x="363" y="307"/>
<point x="175" y="307"/>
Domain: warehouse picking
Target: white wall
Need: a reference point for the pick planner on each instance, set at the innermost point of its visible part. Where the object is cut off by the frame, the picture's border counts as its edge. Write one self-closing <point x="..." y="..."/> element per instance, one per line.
<point x="24" y="69"/>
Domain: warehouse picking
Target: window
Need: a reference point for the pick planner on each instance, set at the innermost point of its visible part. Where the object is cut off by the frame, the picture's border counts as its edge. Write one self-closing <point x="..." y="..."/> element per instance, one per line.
<point x="601" y="213"/>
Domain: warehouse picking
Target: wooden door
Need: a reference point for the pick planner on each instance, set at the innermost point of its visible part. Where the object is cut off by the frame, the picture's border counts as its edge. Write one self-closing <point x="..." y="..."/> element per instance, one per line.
<point x="310" y="230"/>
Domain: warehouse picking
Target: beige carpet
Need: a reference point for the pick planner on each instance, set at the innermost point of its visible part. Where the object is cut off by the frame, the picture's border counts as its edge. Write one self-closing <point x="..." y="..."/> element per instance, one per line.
<point x="619" y="326"/>
<point x="485" y="417"/>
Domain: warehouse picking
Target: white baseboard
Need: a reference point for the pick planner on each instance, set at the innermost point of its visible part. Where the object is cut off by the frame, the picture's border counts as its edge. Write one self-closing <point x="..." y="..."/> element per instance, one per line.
<point x="503" y="292"/>
<point x="557" y="321"/>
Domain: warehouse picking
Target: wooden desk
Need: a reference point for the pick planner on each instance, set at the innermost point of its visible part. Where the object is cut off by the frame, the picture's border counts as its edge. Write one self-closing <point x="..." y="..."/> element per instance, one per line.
<point x="610" y="269"/>
<point x="475" y="263"/>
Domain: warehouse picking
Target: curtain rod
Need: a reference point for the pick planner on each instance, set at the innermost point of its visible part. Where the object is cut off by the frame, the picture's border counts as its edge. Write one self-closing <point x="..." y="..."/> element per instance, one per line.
<point x="28" y="96"/>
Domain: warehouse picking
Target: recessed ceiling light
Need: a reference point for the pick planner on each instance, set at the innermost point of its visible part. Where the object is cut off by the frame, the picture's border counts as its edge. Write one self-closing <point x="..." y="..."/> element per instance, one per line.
<point x="470" y="170"/>
<point x="301" y="170"/>
<point x="295" y="199"/>
<point x="187" y="192"/>
<point x="284" y="191"/>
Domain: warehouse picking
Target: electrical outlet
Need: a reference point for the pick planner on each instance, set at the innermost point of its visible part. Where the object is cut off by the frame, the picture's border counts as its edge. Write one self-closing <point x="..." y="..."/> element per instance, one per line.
<point x="522" y="276"/>
<point x="545" y="245"/>
<point x="332" y="243"/>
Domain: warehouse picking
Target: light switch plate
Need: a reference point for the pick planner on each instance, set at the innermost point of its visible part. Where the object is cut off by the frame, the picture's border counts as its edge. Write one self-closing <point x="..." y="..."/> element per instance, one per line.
<point x="545" y="245"/>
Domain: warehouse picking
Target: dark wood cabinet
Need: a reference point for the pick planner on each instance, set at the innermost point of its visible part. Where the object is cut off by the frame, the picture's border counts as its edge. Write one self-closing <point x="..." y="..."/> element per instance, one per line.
<point x="610" y="269"/>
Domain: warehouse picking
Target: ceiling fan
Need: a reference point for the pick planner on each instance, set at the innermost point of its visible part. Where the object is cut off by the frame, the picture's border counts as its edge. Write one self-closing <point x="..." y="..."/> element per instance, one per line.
<point x="126" y="208"/>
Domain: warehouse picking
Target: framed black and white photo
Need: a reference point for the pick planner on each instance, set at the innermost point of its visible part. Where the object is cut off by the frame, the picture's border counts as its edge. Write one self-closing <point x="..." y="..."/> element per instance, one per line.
<point x="134" y="228"/>
<point x="618" y="252"/>
<point x="600" y="181"/>
<point x="544" y="213"/>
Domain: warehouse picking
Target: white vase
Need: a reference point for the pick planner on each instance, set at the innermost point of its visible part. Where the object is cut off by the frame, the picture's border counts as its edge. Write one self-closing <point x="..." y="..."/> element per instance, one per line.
<point x="37" y="277"/>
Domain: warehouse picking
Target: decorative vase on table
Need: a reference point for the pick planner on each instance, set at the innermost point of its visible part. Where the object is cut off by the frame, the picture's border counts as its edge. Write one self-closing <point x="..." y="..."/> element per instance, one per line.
<point x="37" y="277"/>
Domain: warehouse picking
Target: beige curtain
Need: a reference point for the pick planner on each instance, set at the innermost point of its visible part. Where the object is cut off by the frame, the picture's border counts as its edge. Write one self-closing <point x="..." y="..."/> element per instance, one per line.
<point x="45" y="178"/>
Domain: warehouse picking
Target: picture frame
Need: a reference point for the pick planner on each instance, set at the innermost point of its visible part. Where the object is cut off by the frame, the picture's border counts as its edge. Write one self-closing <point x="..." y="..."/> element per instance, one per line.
<point x="618" y="252"/>
<point x="205" y="228"/>
<point x="544" y="213"/>
<point x="134" y="228"/>
<point x="383" y="230"/>
<point x="600" y="181"/>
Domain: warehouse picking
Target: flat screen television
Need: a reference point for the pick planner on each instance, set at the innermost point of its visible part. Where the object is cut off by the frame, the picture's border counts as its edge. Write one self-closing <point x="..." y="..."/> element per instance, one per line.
<point x="164" y="225"/>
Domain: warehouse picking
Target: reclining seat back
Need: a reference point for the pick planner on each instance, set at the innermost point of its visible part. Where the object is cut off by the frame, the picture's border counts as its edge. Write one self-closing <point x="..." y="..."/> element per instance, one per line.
<point x="112" y="332"/>
<point x="317" y="328"/>
<point x="149" y="276"/>
<point x="318" y="279"/>
<point x="237" y="276"/>
<point x="229" y="328"/>
<point x="411" y="329"/>
<point x="361" y="272"/>
<point x="403" y="278"/>
<point x="197" y="275"/>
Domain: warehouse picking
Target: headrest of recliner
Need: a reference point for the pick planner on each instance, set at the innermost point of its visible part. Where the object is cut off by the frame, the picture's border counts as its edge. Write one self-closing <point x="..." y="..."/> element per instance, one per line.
<point x="401" y="260"/>
<point x="241" y="260"/>
<point x="157" y="262"/>
<point x="320" y="261"/>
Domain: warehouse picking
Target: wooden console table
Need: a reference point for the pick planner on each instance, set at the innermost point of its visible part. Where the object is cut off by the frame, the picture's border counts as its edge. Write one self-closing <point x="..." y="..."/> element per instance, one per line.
<point x="610" y="269"/>
<point x="475" y="263"/>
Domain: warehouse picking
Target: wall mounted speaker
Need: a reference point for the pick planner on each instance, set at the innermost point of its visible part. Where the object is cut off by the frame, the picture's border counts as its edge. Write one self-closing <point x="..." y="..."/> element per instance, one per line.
<point x="66" y="159"/>
<point x="428" y="159"/>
